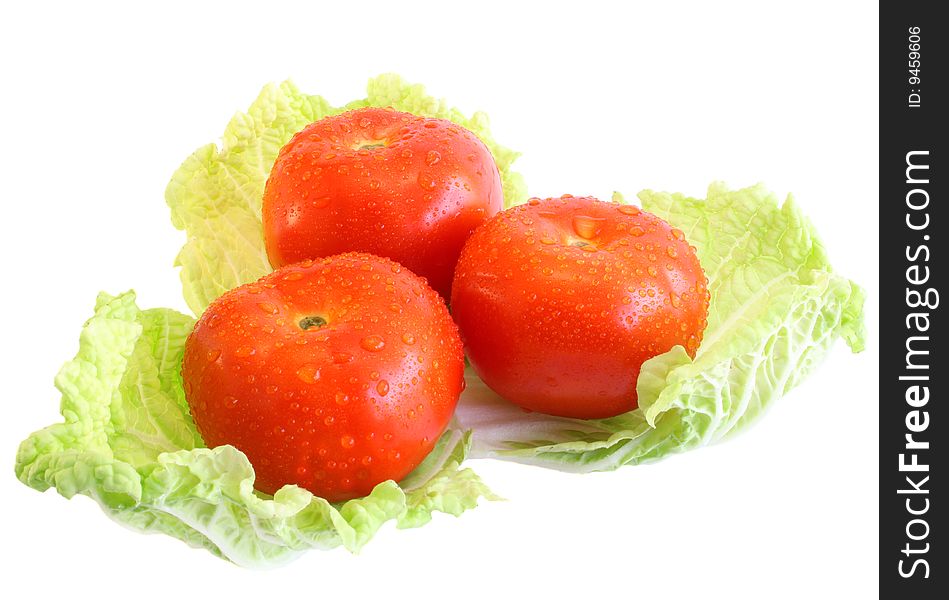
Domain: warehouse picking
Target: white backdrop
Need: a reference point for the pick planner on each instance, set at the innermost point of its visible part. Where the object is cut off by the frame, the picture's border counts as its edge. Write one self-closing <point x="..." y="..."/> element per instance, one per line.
<point x="100" y="105"/>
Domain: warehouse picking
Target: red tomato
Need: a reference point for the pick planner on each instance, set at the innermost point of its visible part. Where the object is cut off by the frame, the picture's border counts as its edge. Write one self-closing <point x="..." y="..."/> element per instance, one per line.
<point x="380" y="181"/>
<point x="561" y="301"/>
<point x="333" y="375"/>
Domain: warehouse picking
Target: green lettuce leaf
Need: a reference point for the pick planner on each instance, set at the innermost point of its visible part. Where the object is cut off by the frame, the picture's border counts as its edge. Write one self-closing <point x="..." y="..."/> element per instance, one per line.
<point x="128" y="442"/>
<point x="776" y="309"/>
<point x="215" y="196"/>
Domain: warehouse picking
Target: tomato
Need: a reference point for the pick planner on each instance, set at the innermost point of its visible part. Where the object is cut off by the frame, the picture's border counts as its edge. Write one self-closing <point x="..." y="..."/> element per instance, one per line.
<point x="561" y="301"/>
<point x="333" y="375"/>
<point x="384" y="182"/>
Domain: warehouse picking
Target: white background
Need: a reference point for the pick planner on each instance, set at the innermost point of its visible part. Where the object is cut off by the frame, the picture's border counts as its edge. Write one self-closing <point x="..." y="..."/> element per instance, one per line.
<point x="100" y="104"/>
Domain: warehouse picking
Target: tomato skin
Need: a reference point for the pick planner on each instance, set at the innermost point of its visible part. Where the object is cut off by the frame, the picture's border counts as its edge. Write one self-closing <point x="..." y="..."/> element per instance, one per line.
<point x="560" y="302"/>
<point x="337" y="408"/>
<point x="413" y="194"/>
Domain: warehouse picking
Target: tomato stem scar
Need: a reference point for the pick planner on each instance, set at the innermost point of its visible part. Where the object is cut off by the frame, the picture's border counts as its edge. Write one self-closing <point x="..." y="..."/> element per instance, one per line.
<point x="312" y="321"/>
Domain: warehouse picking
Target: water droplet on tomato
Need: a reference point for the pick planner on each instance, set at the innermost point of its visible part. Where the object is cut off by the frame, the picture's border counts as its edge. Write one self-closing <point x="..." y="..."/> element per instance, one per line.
<point x="321" y="202"/>
<point x="426" y="181"/>
<point x="342" y="357"/>
<point x="342" y="399"/>
<point x="587" y="227"/>
<point x="372" y="343"/>
<point x="347" y="441"/>
<point x="432" y="158"/>
<point x="308" y="373"/>
<point x="213" y="355"/>
<point x="628" y="209"/>
<point x="244" y="352"/>
<point x="382" y="387"/>
<point x="267" y="307"/>
<point x="671" y="251"/>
